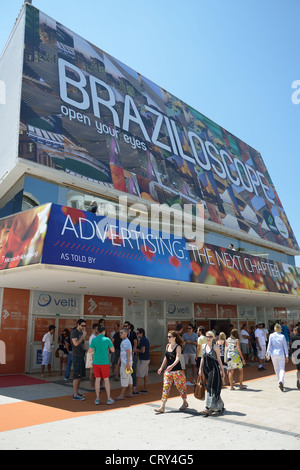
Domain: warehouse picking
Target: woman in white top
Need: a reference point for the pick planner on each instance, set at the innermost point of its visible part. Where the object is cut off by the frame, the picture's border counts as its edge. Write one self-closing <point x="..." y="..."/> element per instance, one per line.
<point x="278" y="351"/>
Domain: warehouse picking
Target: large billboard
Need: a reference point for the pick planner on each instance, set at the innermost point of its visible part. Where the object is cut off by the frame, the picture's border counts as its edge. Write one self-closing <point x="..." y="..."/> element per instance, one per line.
<point x="62" y="236"/>
<point x="86" y="113"/>
<point x="85" y="240"/>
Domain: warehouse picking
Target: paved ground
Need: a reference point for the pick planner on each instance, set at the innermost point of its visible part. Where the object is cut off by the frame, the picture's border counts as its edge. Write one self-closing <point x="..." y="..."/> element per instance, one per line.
<point x="40" y="414"/>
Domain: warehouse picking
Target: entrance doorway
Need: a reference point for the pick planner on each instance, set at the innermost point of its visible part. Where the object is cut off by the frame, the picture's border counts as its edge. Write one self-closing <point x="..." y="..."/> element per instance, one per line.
<point x="39" y="327"/>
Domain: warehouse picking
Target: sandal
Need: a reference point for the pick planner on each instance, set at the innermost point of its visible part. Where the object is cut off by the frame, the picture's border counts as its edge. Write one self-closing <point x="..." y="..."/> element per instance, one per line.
<point x="205" y="412"/>
<point x="159" y="410"/>
<point x="184" y="406"/>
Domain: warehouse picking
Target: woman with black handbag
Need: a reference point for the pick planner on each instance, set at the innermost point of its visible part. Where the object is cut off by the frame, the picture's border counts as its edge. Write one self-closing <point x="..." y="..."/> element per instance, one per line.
<point x="212" y="368"/>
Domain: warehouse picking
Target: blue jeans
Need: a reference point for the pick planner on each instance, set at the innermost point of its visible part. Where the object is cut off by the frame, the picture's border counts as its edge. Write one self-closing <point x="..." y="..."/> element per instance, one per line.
<point x="69" y="364"/>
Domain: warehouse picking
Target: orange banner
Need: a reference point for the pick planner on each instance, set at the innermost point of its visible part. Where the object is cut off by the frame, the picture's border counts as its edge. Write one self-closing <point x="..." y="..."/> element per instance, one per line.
<point x="205" y="310"/>
<point x="227" y="311"/>
<point x="103" y="306"/>
<point x="13" y="332"/>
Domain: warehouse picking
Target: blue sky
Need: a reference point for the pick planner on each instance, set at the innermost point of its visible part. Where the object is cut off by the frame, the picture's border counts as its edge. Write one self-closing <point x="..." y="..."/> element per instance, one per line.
<point x="234" y="61"/>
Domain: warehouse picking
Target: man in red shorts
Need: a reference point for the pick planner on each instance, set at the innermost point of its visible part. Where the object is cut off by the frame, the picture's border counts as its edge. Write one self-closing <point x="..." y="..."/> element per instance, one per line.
<point x="100" y="347"/>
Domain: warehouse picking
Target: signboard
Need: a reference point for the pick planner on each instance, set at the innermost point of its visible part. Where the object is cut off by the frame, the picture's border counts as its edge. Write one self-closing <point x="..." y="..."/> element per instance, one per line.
<point x="83" y="239"/>
<point x="55" y="303"/>
<point x="179" y="310"/>
<point x="205" y="310"/>
<point x="14" y="324"/>
<point x="247" y="312"/>
<point x="89" y="115"/>
<point x="22" y="237"/>
<point x="227" y="311"/>
<point x="103" y="306"/>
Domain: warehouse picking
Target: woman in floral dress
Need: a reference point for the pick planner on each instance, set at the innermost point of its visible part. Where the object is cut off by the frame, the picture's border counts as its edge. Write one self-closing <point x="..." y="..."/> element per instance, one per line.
<point x="235" y="358"/>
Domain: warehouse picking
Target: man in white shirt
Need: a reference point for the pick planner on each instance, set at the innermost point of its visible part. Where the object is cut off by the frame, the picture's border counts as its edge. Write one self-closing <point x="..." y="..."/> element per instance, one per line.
<point x="245" y="341"/>
<point x="261" y="346"/>
<point x="47" y="348"/>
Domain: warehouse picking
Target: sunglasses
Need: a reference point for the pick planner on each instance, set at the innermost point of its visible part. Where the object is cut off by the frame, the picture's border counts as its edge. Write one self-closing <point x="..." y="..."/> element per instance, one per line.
<point x="170" y="336"/>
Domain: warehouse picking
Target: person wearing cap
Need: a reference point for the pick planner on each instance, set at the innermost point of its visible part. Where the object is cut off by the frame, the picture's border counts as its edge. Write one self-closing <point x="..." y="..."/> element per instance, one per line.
<point x="261" y="346"/>
<point x="47" y="348"/>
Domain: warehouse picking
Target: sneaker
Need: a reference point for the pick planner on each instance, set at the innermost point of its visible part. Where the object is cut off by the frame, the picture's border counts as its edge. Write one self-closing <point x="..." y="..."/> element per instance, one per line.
<point x="97" y="402"/>
<point x="190" y="383"/>
<point x="78" y="398"/>
<point x="135" y="393"/>
<point x="81" y="395"/>
<point x="110" y="401"/>
<point x="143" y="391"/>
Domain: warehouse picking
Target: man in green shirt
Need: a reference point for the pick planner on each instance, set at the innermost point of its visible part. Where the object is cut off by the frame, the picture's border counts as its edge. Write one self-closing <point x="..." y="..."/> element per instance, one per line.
<point x="100" y="347"/>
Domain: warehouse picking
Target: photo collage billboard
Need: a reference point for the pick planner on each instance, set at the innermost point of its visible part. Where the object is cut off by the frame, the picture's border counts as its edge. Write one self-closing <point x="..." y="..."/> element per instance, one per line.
<point x="86" y="113"/>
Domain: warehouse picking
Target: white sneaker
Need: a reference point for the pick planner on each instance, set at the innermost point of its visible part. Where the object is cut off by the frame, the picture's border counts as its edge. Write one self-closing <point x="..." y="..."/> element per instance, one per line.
<point x="110" y="401"/>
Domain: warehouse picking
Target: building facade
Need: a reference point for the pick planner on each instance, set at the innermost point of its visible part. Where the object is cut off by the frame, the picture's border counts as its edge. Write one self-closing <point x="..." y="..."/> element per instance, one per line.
<point x="189" y="226"/>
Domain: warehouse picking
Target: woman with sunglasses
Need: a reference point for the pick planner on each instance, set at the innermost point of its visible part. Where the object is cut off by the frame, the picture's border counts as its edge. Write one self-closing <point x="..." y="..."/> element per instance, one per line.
<point x="212" y="368"/>
<point x="173" y="372"/>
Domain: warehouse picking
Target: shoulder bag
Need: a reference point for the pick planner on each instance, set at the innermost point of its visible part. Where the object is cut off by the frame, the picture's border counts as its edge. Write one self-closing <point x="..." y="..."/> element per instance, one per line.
<point x="199" y="388"/>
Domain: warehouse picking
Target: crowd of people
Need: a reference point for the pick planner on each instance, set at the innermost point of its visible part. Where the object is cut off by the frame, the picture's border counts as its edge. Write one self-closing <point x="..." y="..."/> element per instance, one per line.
<point x="215" y="357"/>
<point x="125" y="356"/>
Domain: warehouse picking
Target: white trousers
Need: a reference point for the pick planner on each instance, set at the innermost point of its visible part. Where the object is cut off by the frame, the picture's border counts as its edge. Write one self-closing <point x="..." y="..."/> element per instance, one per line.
<point x="279" y="367"/>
